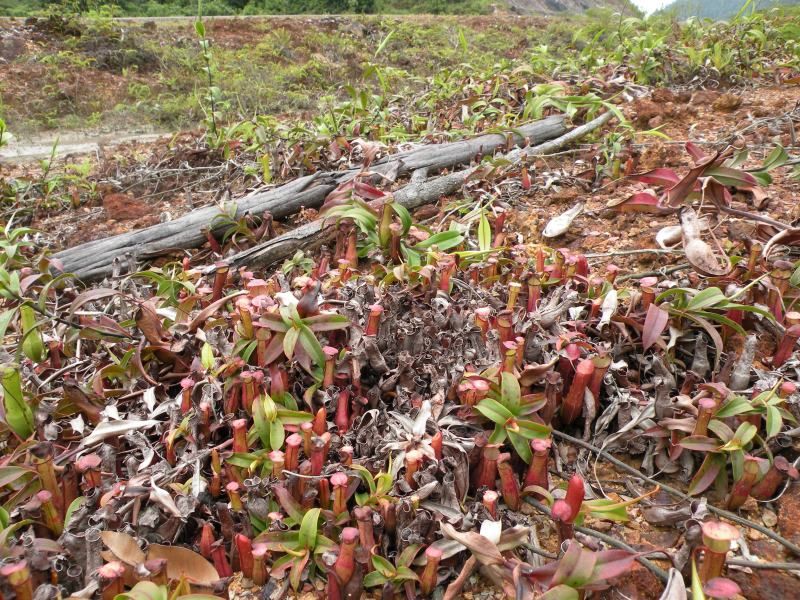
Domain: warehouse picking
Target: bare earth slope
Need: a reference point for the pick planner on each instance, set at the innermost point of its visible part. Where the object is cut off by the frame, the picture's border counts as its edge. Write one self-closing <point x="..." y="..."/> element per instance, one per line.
<point x="530" y="7"/>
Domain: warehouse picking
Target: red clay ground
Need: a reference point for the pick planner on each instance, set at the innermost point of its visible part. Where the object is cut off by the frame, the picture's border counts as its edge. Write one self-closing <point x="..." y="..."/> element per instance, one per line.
<point x="752" y="117"/>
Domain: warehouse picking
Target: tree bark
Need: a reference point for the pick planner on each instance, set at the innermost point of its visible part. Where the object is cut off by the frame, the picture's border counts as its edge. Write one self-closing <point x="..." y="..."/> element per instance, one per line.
<point x="94" y="260"/>
<point x="419" y="191"/>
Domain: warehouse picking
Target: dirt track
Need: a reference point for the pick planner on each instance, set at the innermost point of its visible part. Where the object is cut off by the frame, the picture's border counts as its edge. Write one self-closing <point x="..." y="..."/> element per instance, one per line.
<point x="39" y="147"/>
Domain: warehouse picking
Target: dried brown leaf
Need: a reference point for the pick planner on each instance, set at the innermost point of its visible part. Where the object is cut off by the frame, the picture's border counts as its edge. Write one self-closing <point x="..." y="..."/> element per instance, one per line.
<point x="124" y="547"/>
<point x="182" y="562"/>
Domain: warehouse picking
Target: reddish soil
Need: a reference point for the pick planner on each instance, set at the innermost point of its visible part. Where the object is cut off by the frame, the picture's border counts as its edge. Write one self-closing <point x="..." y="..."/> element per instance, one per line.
<point x="683" y="117"/>
<point x="751" y="118"/>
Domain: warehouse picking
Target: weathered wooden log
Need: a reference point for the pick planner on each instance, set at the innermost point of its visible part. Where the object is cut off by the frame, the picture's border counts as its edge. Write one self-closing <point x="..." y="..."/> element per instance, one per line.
<point x="312" y="235"/>
<point x="418" y="192"/>
<point x="94" y="260"/>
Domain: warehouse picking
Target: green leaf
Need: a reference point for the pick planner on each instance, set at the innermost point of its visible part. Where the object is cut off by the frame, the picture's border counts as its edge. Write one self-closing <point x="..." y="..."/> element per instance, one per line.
<point x="145" y="590"/>
<point x="296" y="572"/>
<point x="311" y="345"/>
<point x="5" y="320"/>
<point x="405" y="574"/>
<point x="383" y="566"/>
<point x="561" y="592"/>
<point x="731" y="177"/>
<point x="407" y="556"/>
<point x="700" y="443"/>
<point x="499" y="434"/>
<point x="531" y="430"/>
<point x="494" y="411"/>
<point x="384" y="41"/>
<point x="413" y="258"/>
<point x="735" y="406"/>
<point x="366" y="476"/>
<point x="294" y="417"/>
<point x="444" y="241"/>
<point x="73" y="506"/>
<point x="510" y="390"/>
<point x="462" y="40"/>
<point x="697" y="585"/>
<point x="722" y="431"/>
<point x="605" y="508"/>
<point x="708" y="297"/>
<point x="521" y="445"/>
<point x="722" y="320"/>
<point x="290" y="341"/>
<point x="200" y="28"/>
<point x="274" y="322"/>
<point x="11" y="474"/>
<point x="794" y="280"/>
<point x="774" y="421"/>
<point x="276" y="435"/>
<point x="484" y="234"/>
<point x="207" y="356"/>
<point x="745" y="433"/>
<point x="32" y="342"/>
<point x="706" y="474"/>
<point x="374" y="579"/>
<point x="777" y="158"/>
<point x="260" y="422"/>
<point x="242" y="460"/>
<point x="404" y="215"/>
<point x="19" y="416"/>
<point x="308" y="529"/>
<point x="327" y="322"/>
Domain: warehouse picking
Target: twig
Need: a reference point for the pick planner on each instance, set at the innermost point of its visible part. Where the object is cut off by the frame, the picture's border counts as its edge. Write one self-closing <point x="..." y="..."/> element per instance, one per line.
<point x="540" y="552"/>
<point x="793" y="548"/>
<point x="35" y="307"/>
<point x="63" y="370"/>
<point x="753" y="217"/>
<point x="630" y="252"/>
<point x="664" y="271"/>
<point x="753" y="564"/>
<point x="655" y="569"/>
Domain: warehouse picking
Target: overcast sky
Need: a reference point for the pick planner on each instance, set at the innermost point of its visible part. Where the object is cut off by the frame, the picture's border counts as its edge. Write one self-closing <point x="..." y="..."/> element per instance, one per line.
<point x="650" y="6"/>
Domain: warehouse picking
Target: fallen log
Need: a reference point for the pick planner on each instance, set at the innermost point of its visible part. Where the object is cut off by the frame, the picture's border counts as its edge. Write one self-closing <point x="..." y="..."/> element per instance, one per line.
<point x="419" y="191"/>
<point x="94" y="260"/>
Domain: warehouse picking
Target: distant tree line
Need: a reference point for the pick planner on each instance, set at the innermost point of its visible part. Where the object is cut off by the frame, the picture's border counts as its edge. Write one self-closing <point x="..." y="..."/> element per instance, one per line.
<point x="155" y="8"/>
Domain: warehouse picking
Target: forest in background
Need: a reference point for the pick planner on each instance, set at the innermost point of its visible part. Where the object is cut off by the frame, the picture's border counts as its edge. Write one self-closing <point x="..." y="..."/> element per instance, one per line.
<point x="162" y="8"/>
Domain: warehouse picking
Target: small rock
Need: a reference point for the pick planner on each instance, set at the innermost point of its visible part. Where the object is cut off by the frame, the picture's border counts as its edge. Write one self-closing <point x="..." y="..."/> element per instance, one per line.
<point x="789" y="514"/>
<point x="704" y="97"/>
<point x="656" y="121"/>
<point x="602" y="526"/>
<point x="663" y="95"/>
<point x="769" y="518"/>
<point x="727" y="103"/>
<point x="765" y="584"/>
<point x="645" y="110"/>
<point x="124" y="207"/>
<point x="638" y="582"/>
